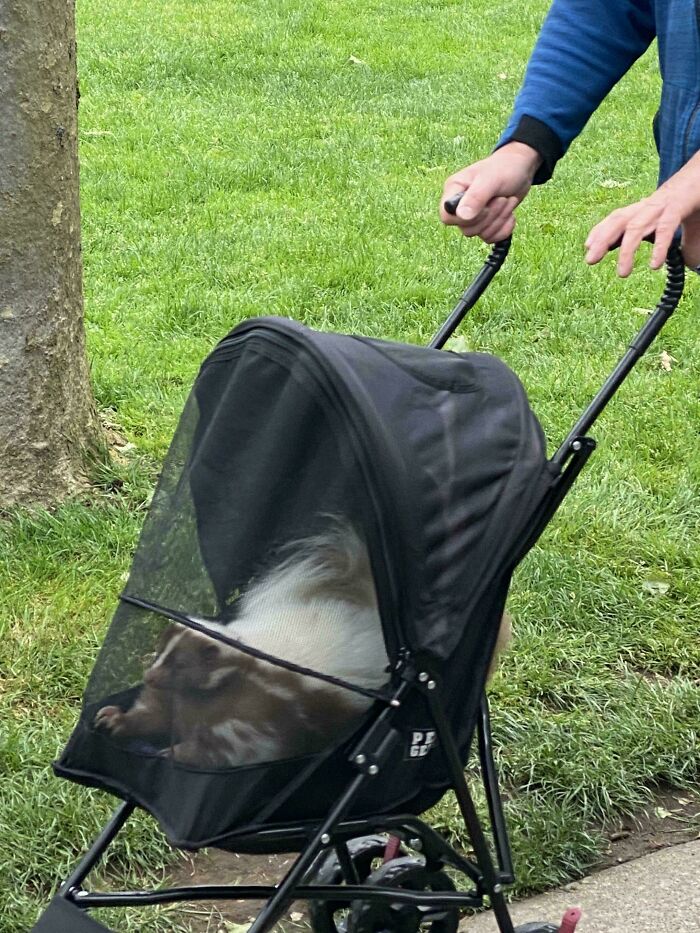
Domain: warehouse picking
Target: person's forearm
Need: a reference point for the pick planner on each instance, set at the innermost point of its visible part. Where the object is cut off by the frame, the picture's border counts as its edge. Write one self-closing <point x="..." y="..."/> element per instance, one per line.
<point x="584" y="48"/>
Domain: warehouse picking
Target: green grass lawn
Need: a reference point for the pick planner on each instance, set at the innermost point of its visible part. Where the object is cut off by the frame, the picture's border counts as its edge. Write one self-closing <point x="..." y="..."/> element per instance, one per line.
<point x="286" y="158"/>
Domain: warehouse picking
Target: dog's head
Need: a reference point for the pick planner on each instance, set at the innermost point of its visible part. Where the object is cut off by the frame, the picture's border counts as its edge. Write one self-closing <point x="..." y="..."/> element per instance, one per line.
<point x="189" y="660"/>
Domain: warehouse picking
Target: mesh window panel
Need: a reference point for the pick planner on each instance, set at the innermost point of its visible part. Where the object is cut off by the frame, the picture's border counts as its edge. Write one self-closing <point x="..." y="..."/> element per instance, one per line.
<point x="256" y="536"/>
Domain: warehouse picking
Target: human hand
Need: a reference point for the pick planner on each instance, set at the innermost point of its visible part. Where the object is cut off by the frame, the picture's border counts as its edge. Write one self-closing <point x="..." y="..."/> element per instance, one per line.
<point x="493" y="189"/>
<point x="676" y="203"/>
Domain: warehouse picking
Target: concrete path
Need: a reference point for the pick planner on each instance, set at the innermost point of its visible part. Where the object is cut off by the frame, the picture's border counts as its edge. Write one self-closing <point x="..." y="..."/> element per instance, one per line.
<point x="659" y="893"/>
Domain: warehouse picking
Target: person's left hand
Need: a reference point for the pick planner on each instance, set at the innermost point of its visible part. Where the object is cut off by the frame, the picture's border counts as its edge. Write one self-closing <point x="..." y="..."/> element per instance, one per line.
<point x="676" y="201"/>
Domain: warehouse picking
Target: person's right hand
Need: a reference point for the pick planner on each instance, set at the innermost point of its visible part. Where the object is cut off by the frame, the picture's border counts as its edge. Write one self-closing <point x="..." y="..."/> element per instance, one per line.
<point x="493" y="189"/>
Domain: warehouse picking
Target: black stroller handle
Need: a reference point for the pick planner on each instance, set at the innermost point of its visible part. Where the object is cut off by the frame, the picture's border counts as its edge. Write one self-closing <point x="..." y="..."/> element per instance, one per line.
<point x="667" y="304"/>
<point x="674" y="258"/>
<point x="649" y="238"/>
<point x="472" y="293"/>
<point x="476" y="289"/>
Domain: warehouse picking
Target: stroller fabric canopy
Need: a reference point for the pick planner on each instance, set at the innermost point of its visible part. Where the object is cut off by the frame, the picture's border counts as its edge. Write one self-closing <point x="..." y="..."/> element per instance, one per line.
<point x="444" y="445"/>
<point x="427" y="465"/>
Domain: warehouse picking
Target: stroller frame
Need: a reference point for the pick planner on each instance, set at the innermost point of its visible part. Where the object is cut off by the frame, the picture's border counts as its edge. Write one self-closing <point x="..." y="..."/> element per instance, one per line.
<point x="486" y="875"/>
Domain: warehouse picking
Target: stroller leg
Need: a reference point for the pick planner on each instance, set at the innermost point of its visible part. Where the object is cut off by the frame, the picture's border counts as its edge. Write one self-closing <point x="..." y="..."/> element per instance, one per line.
<point x="492" y="882"/>
<point x="95" y="852"/>
<point x="284" y="893"/>
<point x="493" y="797"/>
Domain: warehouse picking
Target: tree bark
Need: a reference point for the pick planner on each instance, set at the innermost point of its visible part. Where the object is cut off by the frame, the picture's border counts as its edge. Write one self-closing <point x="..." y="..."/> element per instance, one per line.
<point x="48" y="422"/>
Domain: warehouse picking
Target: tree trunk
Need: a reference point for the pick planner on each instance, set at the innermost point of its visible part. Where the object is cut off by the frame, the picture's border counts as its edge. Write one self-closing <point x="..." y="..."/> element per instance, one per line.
<point x="48" y="422"/>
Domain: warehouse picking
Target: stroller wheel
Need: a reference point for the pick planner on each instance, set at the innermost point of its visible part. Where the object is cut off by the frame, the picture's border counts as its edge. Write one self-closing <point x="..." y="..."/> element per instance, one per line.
<point x="332" y="916"/>
<point x="568" y="924"/>
<point x="407" y="872"/>
<point x="537" y="928"/>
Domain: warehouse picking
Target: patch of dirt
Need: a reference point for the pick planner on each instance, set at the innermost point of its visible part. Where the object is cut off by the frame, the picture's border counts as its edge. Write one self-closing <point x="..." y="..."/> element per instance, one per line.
<point x="672" y="817"/>
<point x="118" y="445"/>
<point x="215" y="867"/>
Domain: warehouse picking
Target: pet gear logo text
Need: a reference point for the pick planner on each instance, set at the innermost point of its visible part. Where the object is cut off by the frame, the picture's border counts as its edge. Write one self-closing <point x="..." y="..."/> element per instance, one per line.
<point x="420" y="743"/>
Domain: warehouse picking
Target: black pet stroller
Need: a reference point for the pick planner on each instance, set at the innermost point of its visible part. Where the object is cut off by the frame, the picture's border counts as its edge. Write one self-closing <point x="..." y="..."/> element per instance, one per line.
<point x="438" y="462"/>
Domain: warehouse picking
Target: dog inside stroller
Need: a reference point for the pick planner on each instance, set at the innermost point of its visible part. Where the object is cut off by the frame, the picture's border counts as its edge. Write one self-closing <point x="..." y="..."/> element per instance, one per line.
<point x="299" y="658"/>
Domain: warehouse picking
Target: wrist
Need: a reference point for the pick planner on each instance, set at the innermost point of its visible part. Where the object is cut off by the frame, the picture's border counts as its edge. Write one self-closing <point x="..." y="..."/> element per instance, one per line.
<point x="538" y="137"/>
<point x="529" y="157"/>
<point x="684" y="189"/>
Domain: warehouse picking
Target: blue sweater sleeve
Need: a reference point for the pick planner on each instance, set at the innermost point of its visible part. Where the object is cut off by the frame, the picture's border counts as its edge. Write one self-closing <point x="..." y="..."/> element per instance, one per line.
<point x="584" y="48"/>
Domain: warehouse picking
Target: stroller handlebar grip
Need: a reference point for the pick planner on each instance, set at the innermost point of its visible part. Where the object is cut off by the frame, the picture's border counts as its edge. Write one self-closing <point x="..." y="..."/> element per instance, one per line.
<point x="649" y="238"/>
<point x="666" y="305"/>
<point x="450" y="204"/>
<point x="675" y="264"/>
<point x="472" y="293"/>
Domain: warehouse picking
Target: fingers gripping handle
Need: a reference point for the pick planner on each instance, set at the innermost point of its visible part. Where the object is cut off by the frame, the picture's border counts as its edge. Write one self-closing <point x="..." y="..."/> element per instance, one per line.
<point x="476" y="289"/>
<point x="500" y="249"/>
<point x="674" y="260"/>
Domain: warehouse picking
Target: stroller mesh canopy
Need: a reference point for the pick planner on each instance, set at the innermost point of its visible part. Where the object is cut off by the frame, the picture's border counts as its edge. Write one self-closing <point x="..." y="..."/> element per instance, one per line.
<point x="327" y="504"/>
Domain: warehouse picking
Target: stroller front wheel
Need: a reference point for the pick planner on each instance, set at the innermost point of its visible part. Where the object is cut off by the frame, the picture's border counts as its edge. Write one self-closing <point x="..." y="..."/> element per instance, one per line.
<point x="332" y="916"/>
<point x="406" y="872"/>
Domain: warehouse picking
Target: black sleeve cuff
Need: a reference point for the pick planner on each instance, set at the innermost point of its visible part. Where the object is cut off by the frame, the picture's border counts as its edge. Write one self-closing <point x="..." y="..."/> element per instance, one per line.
<point x="542" y="139"/>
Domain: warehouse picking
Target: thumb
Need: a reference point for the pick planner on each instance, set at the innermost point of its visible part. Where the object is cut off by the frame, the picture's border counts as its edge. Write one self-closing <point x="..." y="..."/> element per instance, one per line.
<point x="477" y="196"/>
